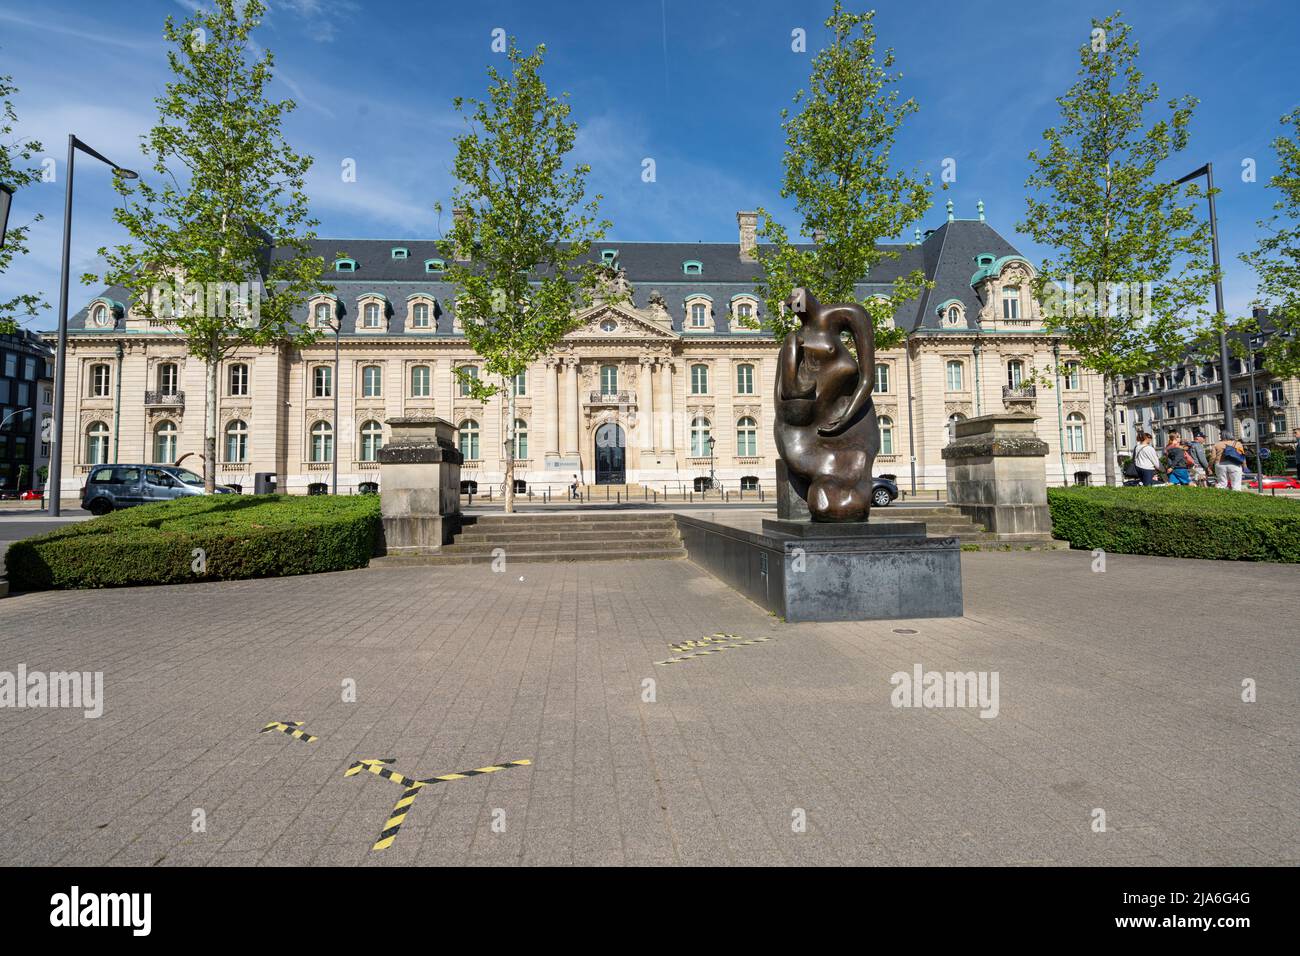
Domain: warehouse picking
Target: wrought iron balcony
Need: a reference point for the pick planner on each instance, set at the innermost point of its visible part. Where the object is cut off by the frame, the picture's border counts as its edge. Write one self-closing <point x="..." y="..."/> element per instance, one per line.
<point x="610" y="398"/>
<point x="167" y="399"/>
<point x="1025" y="393"/>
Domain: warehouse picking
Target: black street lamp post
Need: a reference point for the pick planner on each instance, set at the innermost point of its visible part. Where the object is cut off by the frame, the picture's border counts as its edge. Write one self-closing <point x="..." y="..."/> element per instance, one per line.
<point x="712" y="441"/>
<point x="56" y="433"/>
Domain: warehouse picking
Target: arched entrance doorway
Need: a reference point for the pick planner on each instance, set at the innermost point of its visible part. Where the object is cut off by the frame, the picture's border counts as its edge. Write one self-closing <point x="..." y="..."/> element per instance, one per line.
<point x="611" y="455"/>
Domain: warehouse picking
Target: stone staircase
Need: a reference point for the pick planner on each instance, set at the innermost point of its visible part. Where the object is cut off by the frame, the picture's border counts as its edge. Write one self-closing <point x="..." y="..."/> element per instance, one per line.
<point x="534" y="538"/>
<point x="940" y="521"/>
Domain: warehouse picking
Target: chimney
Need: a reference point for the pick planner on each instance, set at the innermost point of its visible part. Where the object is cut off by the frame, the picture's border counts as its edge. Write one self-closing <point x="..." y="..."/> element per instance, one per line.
<point x="748" y="222"/>
<point x="459" y="214"/>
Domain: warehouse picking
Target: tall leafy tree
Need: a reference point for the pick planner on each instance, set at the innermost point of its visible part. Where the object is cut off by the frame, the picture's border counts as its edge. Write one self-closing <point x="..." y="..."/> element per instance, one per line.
<point x="525" y="226"/>
<point x="1101" y="198"/>
<point x="1276" y="258"/>
<point x="229" y="188"/>
<point x="838" y="171"/>
<point x="15" y="154"/>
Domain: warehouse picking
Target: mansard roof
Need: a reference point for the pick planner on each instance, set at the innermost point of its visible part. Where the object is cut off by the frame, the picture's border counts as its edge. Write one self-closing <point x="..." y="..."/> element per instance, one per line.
<point x="947" y="256"/>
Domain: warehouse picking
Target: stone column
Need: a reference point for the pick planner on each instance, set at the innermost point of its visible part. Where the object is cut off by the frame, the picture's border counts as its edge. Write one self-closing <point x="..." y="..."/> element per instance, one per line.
<point x="419" y="481"/>
<point x="996" y="474"/>
<point x="645" y="412"/>
<point x="571" y="411"/>
<point x="667" y="439"/>
<point x="552" y="408"/>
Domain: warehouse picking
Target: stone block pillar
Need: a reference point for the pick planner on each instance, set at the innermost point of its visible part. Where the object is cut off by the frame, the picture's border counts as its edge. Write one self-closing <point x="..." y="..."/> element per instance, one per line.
<point x="419" y="482"/>
<point x="997" y="475"/>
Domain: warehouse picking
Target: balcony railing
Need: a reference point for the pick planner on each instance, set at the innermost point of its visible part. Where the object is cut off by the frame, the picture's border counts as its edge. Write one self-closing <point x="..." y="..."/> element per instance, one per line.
<point x="1025" y="393"/>
<point x="170" y="399"/>
<point x="610" y="398"/>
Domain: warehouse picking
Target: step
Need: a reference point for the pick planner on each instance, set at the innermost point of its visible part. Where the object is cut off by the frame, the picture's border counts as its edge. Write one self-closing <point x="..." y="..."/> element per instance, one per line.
<point x="559" y="546"/>
<point x="567" y="534"/>
<point x="612" y="517"/>
<point x="524" y="558"/>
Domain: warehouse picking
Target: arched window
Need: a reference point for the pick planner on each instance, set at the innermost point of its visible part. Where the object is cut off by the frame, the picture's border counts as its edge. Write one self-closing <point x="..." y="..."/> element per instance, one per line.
<point x="886" y="425"/>
<point x="882" y="377"/>
<point x="420" y="315"/>
<point x="99" y="316"/>
<point x="955" y="377"/>
<point x="470" y="371"/>
<point x="370" y="315"/>
<point x="744" y="380"/>
<point x="699" y="315"/>
<point x="100" y="378"/>
<point x="324" y="315"/>
<point x="1011" y="302"/>
<point x="954" y="315"/>
<point x="168" y="378"/>
<point x="237" y="441"/>
<point x="322" y="442"/>
<point x="521" y="438"/>
<point x="469" y="439"/>
<point x="700" y="438"/>
<point x="608" y="379"/>
<point x="699" y="380"/>
<point x="372" y="381"/>
<point x="164" y="443"/>
<point x="1074" y="432"/>
<point x="97" y="443"/>
<point x="239" y="379"/>
<point x="1074" y="377"/>
<point x="372" y="439"/>
<point x="421" y="386"/>
<point x="747" y="437"/>
<point x="1015" y="373"/>
<point x="951" y="432"/>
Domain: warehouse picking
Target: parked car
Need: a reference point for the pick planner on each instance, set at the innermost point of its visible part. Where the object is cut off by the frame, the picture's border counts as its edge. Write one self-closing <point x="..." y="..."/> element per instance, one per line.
<point x="883" y="491"/>
<point x="30" y="495"/>
<point x="121" y="486"/>
<point x="1271" y="481"/>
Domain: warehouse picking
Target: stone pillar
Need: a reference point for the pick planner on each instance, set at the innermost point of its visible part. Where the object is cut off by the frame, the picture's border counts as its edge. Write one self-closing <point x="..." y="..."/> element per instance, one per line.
<point x="571" y="410"/>
<point x="996" y="475"/>
<point x="667" y="439"/>
<point x="419" y="486"/>
<point x="552" y="409"/>
<point x="645" y="411"/>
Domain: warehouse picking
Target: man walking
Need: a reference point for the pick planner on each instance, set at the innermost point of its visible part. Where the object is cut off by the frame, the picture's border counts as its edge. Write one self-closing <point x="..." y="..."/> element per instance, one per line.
<point x="1230" y="458"/>
<point x="1200" y="464"/>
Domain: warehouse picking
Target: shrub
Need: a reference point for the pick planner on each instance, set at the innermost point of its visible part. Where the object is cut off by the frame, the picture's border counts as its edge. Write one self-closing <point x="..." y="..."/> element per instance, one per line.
<point x="1178" y="522"/>
<point x="246" y="536"/>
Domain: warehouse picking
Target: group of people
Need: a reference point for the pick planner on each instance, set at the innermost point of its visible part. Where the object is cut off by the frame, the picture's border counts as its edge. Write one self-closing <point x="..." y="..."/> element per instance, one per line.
<point x="1218" y="466"/>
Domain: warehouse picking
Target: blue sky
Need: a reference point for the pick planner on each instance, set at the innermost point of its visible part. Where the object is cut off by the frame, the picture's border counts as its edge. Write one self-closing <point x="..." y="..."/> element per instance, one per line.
<point x="696" y="86"/>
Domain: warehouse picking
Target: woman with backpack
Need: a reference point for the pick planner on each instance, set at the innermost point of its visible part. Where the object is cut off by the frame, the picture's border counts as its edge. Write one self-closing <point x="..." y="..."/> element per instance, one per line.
<point x="1146" y="460"/>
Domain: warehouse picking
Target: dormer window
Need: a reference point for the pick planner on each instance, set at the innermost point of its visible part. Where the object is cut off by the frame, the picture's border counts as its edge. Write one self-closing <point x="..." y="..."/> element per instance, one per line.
<point x="1011" y="302"/>
<point x="401" y="252"/>
<point x="744" y="313"/>
<point x="953" y="316"/>
<point x="373" y="308"/>
<point x="693" y="267"/>
<point x="434" y="265"/>
<point x="609" y="256"/>
<point x="99" y="316"/>
<point x="345" y="265"/>
<point x="699" y="312"/>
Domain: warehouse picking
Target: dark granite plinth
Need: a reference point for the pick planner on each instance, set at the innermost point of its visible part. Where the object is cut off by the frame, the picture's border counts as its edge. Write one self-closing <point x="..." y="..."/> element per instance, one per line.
<point x="828" y="576"/>
<point x="846" y="529"/>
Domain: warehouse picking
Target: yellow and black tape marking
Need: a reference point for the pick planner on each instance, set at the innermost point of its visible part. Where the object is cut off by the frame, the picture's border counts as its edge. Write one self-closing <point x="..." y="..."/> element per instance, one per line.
<point x="413" y="788"/>
<point x="289" y="727"/>
<point x="715" y="648"/>
<point x="709" y="641"/>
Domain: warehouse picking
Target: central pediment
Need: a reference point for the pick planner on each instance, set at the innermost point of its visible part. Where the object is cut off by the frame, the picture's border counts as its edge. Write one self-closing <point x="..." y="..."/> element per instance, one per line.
<point x="608" y="321"/>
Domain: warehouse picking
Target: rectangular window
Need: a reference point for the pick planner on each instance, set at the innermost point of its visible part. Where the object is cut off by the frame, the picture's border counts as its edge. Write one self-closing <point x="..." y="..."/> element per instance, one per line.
<point x="99" y="381"/>
<point x="420" y="387"/>
<point x="11" y="365"/>
<point x="239" y="379"/>
<point x="954" y="376"/>
<point x="521" y="389"/>
<point x="744" y="380"/>
<point x="322" y="385"/>
<point x="471" y="371"/>
<point x="697" y="316"/>
<point x="699" y="379"/>
<point x="1011" y="302"/>
<point x="882" y="377"/>
<point x="420" y="315"/>
<point x="1195" y="404"/>
<point x="29" y="368"/>
<point x="372" y="382"/>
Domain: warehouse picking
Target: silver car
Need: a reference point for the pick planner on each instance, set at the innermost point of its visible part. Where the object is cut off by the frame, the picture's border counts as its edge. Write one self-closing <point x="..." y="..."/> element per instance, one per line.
<point x="121" y="486"/>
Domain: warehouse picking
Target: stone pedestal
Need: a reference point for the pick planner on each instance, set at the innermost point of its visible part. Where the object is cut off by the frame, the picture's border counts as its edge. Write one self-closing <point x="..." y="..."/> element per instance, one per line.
<point x="419" y="482"/>
<point x="997" y="475"/>
<point x="791" y="494"/>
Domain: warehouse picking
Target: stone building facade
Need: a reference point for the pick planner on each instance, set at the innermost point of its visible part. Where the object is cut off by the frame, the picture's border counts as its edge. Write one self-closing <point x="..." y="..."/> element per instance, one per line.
<point x="632" y="396"/>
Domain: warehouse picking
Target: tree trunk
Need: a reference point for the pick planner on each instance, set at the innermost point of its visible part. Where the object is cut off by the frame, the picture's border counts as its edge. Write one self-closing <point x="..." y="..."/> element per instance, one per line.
<point x="1108" y="386"/>
<point x="210" y="427"/>
<point x="510" y="447"/>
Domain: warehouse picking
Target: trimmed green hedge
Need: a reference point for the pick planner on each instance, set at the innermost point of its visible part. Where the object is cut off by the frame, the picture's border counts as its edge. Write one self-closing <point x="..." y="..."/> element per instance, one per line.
<point x="242" y="536"/>
<point x="1179" y="522"/>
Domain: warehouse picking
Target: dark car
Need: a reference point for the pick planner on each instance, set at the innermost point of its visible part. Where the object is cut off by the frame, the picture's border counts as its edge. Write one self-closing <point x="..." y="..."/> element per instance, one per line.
<point x="121" y="486"/>
<point x="883" y="491"/>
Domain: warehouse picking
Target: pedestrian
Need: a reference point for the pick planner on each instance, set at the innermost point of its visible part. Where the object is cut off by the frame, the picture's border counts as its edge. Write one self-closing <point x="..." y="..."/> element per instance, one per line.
<point x="574" y="493"/>
<point x="1179" y="461"/>
<point x="1200" y="464"/>
<point x="1230" y="459"/>
<point x="1146" y="460"/>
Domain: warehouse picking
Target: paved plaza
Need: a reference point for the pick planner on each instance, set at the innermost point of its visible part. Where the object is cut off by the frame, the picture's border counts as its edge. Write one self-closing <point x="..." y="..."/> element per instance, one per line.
<point x="1118" y="692"/>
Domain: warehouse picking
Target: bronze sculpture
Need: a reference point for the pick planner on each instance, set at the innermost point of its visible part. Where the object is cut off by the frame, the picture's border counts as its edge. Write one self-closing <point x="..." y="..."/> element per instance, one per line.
<point x="826" y="430"/>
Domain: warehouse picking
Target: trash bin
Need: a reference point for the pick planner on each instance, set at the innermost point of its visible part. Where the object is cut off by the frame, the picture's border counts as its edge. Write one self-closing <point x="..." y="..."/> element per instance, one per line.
<point x="264" y="483"/>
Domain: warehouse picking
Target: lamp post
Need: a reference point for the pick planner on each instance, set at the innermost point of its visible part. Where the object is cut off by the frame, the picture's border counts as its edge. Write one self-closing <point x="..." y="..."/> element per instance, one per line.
<point x="334" y="390"/>
<point x="1254" y="421"/>
<point x="1208" y="172"/>
<point x="712" y="441"/>
<point x="61" y="354"/>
